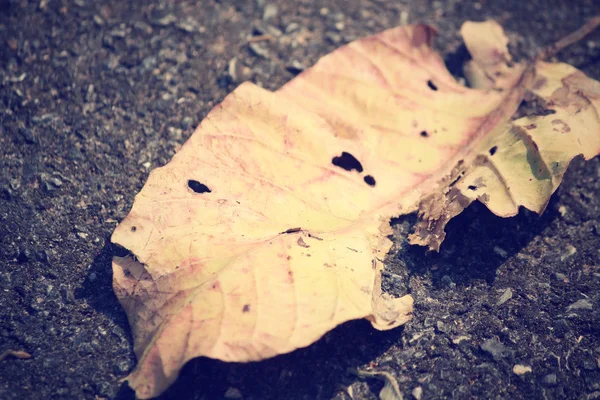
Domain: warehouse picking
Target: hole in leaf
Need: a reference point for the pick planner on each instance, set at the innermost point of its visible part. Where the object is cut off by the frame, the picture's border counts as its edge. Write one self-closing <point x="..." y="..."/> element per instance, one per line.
<point x="456" y="60"/>
<point x="133" y="229"/>
<point x="369" y="180"/>
<point x="424" y="134"/>
<point x="471" y="187"/>
<point x="432" y="85"/>
<point x="198" y="187"/>
<point x="292" y="230"/>
<point x="246" y="308"/>
<point x="493" y="150"/>
<point x="120" y="251"/>
<point x="348" y="162"/>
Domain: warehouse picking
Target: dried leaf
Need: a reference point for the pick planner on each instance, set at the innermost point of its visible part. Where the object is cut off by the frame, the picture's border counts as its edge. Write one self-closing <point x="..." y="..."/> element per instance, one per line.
<point x="522" y="164"/>
<point x="269" y="226"/>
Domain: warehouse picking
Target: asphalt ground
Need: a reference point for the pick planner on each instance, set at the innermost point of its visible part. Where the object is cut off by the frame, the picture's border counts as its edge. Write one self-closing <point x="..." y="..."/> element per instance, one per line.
<point x="95" y="94"/>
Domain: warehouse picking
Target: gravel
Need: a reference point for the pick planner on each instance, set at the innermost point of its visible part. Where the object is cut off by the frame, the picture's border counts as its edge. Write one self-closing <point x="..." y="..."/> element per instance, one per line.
<point x="95" y="94"/>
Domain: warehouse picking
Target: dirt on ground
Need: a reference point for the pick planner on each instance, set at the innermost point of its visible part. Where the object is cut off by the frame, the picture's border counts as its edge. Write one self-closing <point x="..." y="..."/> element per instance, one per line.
<point x="95" y="94"/>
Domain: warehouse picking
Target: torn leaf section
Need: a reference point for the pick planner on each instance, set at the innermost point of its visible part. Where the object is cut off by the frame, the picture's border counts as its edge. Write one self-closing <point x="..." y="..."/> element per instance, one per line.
<point x="534" y="152"/>
<point x="389" y="312"/>
<point x="491" y="66"/>
<point x="435" y="211"/>
<point x="524" y="163"/>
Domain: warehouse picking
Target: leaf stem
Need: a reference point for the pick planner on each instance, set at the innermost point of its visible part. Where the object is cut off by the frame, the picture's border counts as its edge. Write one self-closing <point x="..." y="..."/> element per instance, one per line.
<point x="571" y="38"/>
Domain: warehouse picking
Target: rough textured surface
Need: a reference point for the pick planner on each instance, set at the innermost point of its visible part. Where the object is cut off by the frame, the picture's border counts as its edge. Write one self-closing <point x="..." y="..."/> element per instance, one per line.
<point x="95" y="94"/>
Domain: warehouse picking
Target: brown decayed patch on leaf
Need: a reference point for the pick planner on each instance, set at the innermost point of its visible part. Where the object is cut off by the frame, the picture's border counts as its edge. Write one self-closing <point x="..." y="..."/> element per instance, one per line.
<point x="337" y="151"/>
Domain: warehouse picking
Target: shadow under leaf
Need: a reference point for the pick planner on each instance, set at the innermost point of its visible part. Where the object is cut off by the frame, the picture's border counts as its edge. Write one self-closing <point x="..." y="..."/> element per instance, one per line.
<point x="477" y="244"/>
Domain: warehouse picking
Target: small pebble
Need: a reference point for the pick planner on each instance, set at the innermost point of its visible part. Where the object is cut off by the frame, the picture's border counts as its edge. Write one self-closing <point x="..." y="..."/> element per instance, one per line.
<point x="520" y="369"/>
<point x="334" y="38"/>
<point x="460" y="339"/>
<point x="507" y="295"/>
<point x="236" y="70"/>
<point x="404" y="17"/>
<point x="295" y="67"/>
<point x="28" y="135"/>
<point x="568" y="252"/>
<point x="559" y="277"/>
<point x="258" y="50"/>
<point x="583" y="304"/>
<point x="496" y="349"/>
<point x="98" y="20"/>
<point x="292" y="27"/>
<point x="417" y="392"/>
<point x="233" y="393"/>
<point x="441" y="327"/>
<point x="500" y="251"/>
<point x="550" y="379"/>
<point x="175" y="133"/>
<point x="189" y="25"/>
<point x="447" y="281"/>
<point x="122" y="367"/>
<point x="164" y="20"/>
<point x="50" y="182"/>
<point x="562" y="210"/>
<point x="270" y="12"/>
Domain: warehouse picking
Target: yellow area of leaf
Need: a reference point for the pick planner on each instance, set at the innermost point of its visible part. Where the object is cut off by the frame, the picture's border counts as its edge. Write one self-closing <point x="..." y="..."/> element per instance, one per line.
<point x="523" y="162"/>
<point x="268" y="228"/>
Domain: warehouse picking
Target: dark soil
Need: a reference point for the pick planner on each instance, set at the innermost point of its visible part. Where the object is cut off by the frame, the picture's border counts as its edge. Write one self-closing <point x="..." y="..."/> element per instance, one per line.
<point x="95" y="94"/>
